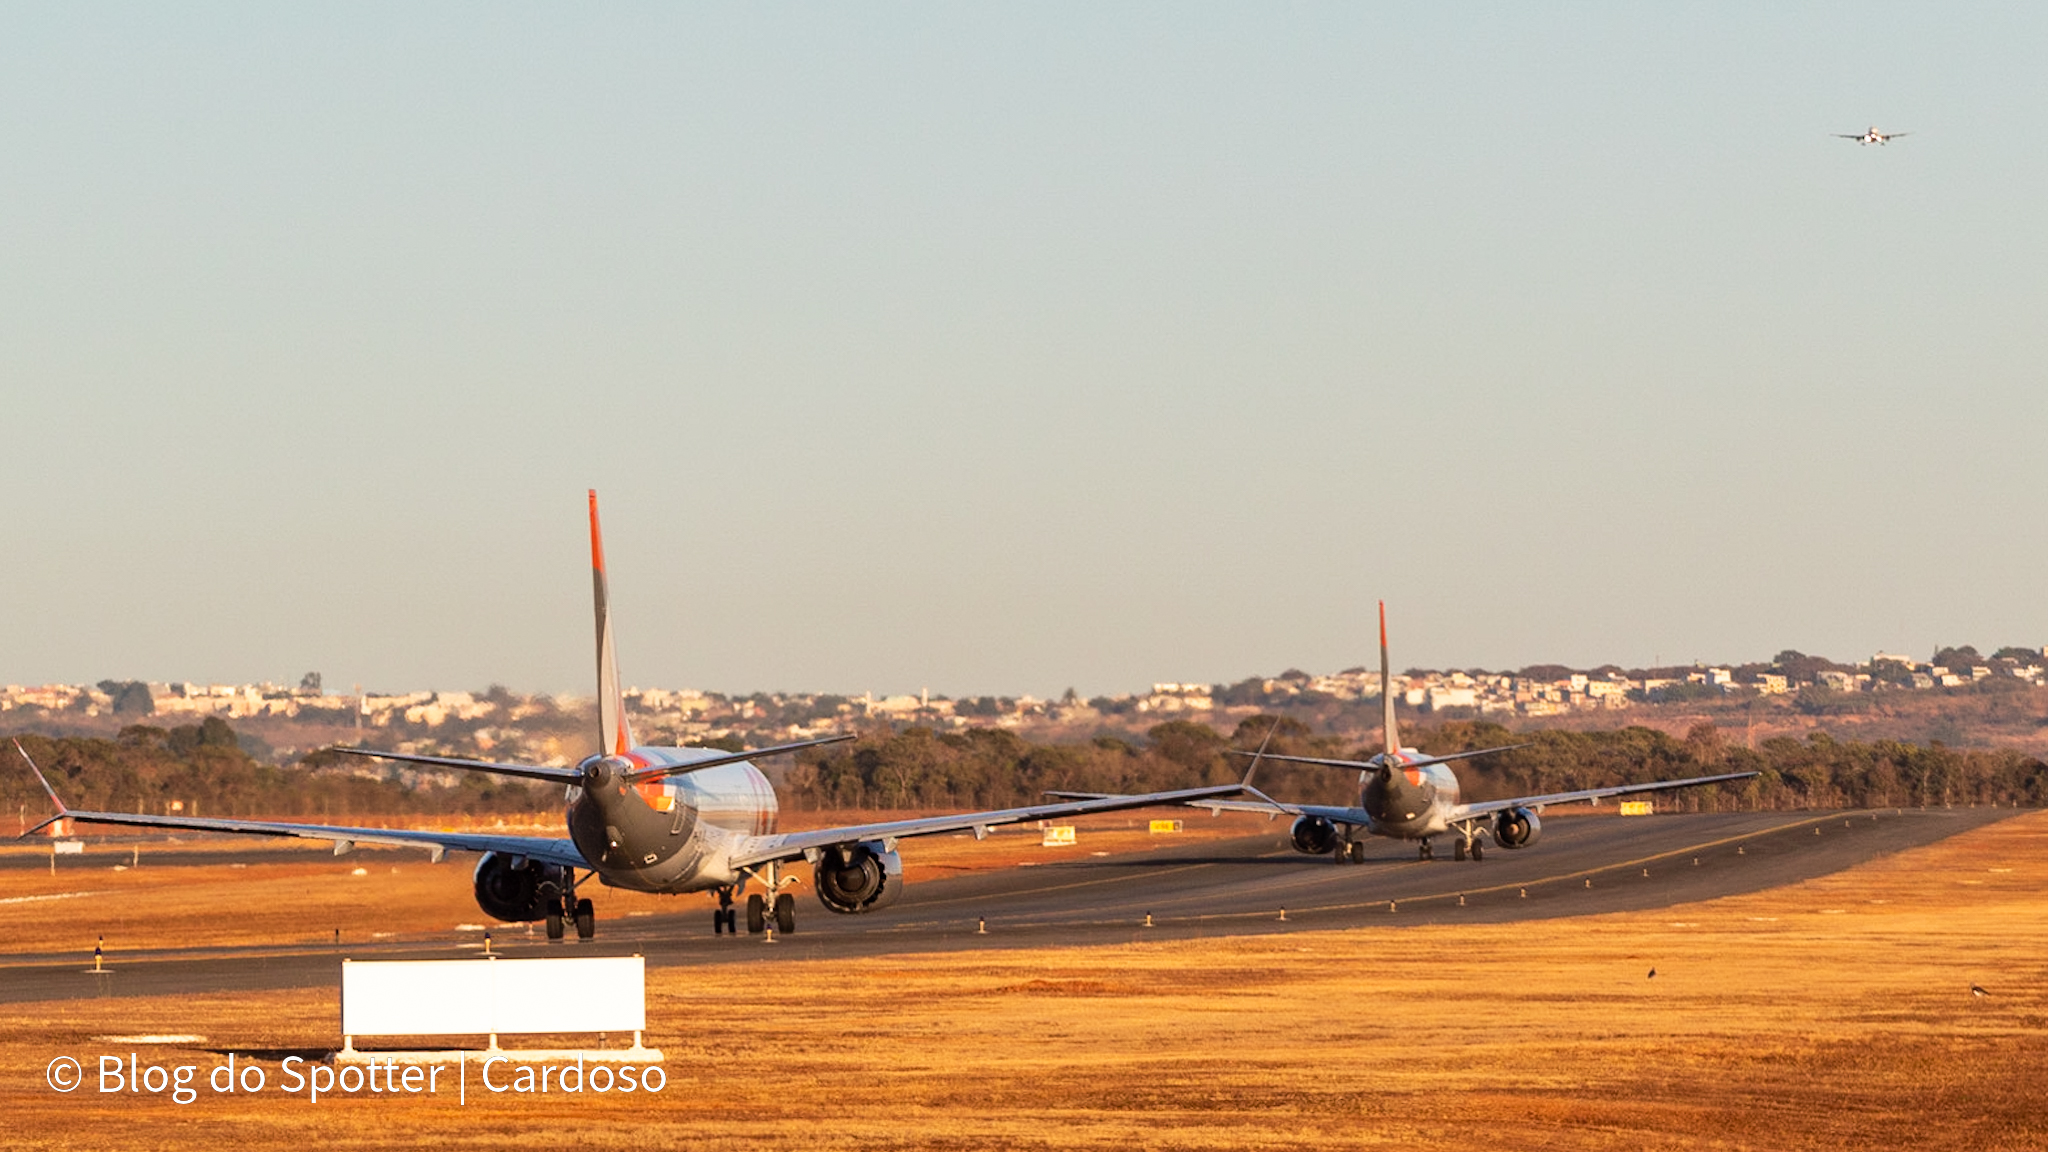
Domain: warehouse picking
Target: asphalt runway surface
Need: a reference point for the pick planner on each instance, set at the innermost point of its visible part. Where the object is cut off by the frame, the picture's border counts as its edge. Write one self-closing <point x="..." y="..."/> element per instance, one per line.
<point x="1580" y="866"/>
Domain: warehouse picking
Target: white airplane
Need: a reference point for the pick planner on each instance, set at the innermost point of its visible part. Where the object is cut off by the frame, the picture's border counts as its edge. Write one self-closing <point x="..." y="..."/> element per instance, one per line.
<point x="1405" y="794"/>
<point x="1873" y="136"/>
<point x="655" y="819"/>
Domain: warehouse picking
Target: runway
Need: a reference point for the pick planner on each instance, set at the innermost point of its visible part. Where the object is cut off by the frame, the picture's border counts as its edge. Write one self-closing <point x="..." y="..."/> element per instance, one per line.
<point x="1580" y="866"/>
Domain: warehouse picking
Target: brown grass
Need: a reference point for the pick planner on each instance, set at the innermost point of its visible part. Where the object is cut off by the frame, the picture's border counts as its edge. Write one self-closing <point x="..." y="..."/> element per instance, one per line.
<point x="1833" y="1014"/>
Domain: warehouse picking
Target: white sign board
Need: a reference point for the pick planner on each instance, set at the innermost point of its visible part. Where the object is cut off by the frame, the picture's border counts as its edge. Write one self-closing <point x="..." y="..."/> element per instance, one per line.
<point x="67" y="847"/>
<point x="478" y="997"/>
<point x="1057" y="835"/>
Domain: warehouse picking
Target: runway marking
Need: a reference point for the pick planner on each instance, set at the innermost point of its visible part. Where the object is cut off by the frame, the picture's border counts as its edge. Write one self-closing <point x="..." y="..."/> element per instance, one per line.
<point x="51" y="896"/>
<point x="1583" y="872"/>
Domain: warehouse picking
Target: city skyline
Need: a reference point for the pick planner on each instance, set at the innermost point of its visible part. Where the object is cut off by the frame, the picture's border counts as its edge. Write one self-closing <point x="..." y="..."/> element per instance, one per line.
<point x="2030" y="667"/>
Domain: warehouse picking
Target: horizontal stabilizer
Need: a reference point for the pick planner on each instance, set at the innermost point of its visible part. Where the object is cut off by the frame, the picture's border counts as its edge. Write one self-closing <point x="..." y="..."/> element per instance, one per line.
<point x="530" y="771"/>
<point x="1376" y="762"/>
<point x="660" y="770"/>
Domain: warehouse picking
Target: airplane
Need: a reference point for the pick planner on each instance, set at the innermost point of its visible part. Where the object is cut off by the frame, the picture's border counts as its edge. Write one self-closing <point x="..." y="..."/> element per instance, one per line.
<point x="655" y="819"/>
<point x="1405" y="794"/>
<point x="1873" y="136"/>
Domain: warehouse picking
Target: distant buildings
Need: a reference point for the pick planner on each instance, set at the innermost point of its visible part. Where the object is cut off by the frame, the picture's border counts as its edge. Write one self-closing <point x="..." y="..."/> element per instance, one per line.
<point x="498" y="720"/>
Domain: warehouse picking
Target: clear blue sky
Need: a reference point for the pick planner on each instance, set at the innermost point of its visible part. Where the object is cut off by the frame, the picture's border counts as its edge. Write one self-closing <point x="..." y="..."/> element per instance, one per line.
<point x="1006" y="349"/>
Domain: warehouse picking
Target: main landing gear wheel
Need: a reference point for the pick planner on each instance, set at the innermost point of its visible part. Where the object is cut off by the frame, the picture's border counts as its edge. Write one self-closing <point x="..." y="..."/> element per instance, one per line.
<point x="586" y="919"/>
<point x="785" y="914"/>
<point x="757" y="915"/>
<point x="1458" y="852"/>
<point x="1478" y="851"/>
<point x="554" y="923"/>
<point x="1354" y="852"/>
<point x="1427" y="853"/>
<point x="725" y="918"/>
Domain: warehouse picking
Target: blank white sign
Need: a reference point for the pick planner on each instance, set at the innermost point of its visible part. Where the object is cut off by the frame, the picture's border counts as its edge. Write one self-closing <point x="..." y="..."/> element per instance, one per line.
<point x="474" y="997"/>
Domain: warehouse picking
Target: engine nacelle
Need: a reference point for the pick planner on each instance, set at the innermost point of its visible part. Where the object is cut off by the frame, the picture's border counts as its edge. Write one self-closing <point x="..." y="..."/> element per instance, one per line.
<point x="518" y="893"/>
<point x="1516" y="828"/>
<point x="1314" y="836"/>
<point x="858" y="878"/>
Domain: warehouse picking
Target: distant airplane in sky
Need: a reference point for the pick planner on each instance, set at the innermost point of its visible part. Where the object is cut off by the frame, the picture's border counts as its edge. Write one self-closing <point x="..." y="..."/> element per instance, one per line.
<point x="1872" y="136"/>
<point x="655" y="819"/>
<point x="1405" y="794"/>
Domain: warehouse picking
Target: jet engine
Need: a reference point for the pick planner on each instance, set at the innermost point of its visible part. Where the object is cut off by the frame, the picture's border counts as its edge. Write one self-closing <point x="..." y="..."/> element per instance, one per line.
<point x="1313" y="835"/>
<point x="1516" y="828"/>
<point x="858" y="878"/>
<point x="513" y="888"/>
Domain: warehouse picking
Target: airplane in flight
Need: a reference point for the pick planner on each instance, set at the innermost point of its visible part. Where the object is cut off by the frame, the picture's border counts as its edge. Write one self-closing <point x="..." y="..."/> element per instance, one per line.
<point x="655" y="819"/>
<point x="1873" y="136"/>
<point x="1405" y="794"/>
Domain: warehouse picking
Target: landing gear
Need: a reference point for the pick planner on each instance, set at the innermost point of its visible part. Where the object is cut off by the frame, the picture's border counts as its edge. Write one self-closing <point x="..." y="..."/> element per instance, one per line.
<point x="1471" y="842"/>
<point x="1356" y="851"/>
<point x="777" y="904"/>
<point x="565" y="909"/>
<point x="1458" y="852"/>
<point x="1427" y="853"/>
<point x="725" y="918"/>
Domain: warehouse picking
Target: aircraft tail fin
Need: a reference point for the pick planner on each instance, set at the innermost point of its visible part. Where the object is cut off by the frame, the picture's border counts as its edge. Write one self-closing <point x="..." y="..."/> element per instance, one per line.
<point x="1390" y="735"/>
<point x="614" y="734"/>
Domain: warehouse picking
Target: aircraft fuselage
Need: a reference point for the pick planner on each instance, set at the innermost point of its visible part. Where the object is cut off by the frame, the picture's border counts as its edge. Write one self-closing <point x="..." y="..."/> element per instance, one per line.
<point x="670" y="835"/>
<point x="1405" y="801"/>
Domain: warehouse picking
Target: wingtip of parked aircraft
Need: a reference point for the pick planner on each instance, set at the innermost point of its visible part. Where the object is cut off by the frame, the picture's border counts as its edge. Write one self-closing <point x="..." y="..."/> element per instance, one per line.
<point x="62" y="811"/>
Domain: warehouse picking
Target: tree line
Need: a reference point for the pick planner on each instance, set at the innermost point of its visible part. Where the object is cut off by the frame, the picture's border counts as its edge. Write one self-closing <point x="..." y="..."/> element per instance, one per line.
<point x="204" y="768"/>
<point x="917" y="767"/>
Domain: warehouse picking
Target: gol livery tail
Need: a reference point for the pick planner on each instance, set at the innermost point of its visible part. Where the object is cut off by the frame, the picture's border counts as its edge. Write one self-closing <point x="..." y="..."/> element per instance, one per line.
<point x="1389" y="733"/>
<point x="614" y="734"/>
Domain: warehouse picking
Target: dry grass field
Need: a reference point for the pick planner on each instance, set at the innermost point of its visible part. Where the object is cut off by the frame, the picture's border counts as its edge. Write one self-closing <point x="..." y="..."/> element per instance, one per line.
<point x="1834" y="1014"/>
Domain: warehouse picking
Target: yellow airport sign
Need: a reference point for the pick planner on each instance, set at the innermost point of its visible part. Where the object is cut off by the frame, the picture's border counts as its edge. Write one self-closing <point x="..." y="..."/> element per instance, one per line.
<point x="1637" y="807"/>
<point x="1058" y="835"/>
<point x="1159" y="826"/>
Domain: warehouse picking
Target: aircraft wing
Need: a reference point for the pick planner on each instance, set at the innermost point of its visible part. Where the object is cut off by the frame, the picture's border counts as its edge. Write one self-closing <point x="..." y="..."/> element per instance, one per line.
<point x="1264" y="807"/>
<point x="792" y="845"/>
<point x="1487" y="807"/>
<point x="540" y="848"/>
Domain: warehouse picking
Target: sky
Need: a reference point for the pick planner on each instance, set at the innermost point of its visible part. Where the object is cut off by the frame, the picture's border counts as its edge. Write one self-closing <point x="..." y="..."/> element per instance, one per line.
<point x="1006" y="349"/>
